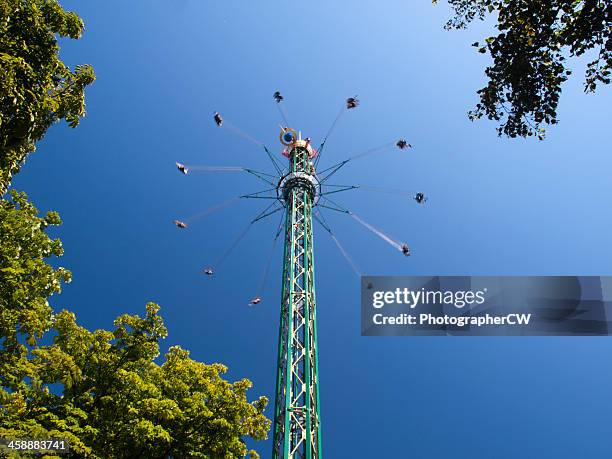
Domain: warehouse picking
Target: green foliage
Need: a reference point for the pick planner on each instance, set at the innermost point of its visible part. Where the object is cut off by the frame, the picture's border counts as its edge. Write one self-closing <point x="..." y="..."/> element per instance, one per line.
<point x="530" y="55"/>
<point x="26" y="280"/>
<point x="103" y="390"/>
<point x="36" y="87"/>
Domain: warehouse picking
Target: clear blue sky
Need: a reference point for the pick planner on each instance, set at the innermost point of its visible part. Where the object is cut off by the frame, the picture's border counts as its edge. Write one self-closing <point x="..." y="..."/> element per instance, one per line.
<point x="496" y="207"/>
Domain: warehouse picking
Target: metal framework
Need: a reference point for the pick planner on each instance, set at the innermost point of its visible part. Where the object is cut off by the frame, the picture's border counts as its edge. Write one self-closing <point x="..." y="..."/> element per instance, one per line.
<point x="297" y="420"/>
<point x="296" y="190"/>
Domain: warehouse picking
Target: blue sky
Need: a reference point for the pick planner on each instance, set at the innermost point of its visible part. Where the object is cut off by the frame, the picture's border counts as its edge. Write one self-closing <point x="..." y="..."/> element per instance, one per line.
<point x="496" y="207"/>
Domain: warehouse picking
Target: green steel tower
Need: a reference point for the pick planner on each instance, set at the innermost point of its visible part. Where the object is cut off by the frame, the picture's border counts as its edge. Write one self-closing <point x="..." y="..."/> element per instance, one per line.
<point x="296" y="190"/>
<point x="297" y="420"/>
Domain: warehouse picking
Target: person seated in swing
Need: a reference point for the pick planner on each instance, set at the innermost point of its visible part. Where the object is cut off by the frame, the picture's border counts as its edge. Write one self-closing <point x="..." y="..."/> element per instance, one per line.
<point x="277" y="97"/>
<point x="406" y="250"/>
<point x="182" y="168"/>
<point x="180" y="224"/>
<point x="218" y="119"/>
<point x="420" y="198"/>
<point x="255" y="301"/>
<point x="208" y="271"/>
<point x="401" y="144"/>
<point x="352" y="102"/>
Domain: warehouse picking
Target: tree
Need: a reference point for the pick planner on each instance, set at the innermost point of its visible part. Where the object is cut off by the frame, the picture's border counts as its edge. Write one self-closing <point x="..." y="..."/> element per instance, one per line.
<point x="530" y="56"/>
<point x="103" y="390"/>
<point x="26" y="282"/>
<point x="36" y="87"/>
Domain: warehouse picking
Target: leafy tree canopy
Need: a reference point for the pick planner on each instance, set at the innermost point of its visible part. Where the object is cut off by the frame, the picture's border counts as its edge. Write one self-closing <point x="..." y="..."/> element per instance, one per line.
<point x="36" y="87"/>
<point x="26" y="280"/>
<point x="530" y="56"/>
<point x="103" y="390"/>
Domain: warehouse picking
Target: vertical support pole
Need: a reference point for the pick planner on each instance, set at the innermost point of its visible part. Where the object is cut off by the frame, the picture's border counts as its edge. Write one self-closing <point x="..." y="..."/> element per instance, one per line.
<point x="297" y="430"/>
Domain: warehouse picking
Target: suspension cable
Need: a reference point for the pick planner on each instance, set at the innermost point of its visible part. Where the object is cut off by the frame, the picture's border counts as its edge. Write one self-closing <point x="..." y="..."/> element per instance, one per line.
<point x="215" y="168"/>
<point x="336" y="167"/>
<point x="283" y="113"/>
<point x="211" y="210"/>
<point x="320" y="151"/>
<point x="264" y="277"/>
<point x="377" y="232"/>
<point x="398" y="245"/>
<point x="319" y="217"/>
<point x="243" y="233"/>
<point x="239" y="132"/>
